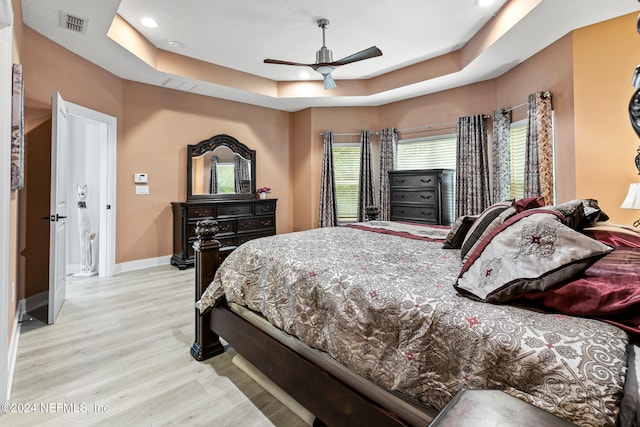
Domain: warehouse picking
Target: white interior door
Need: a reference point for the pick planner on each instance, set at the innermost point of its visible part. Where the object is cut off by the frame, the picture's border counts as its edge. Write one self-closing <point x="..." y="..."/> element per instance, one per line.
<point x="58" y="209"/>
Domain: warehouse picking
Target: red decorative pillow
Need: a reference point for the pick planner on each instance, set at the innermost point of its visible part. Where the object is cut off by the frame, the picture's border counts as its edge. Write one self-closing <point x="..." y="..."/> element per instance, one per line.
<point x="614" y="234"/>
<point x="528" y="203"/>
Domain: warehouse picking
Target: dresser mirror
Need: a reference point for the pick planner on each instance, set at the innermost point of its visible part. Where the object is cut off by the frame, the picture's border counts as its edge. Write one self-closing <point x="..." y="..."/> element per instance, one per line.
<point x="219" y="168"/>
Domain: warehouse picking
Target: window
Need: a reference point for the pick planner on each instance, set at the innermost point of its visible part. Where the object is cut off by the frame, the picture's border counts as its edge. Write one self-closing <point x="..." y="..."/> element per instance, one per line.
<point x="226" y="178"/>
<point x="346" y="166"/>
<point x="438" y="152"/>
<point x="517" y="150"/>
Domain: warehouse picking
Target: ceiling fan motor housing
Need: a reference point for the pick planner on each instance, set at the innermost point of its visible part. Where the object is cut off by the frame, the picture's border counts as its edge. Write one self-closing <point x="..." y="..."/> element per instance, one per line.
<point x="324" y="55"/>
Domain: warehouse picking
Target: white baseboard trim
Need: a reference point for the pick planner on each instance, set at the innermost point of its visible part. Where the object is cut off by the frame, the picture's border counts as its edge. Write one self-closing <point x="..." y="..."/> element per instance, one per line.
<point x="13" y="345"/>
<point x="141" y="264"/>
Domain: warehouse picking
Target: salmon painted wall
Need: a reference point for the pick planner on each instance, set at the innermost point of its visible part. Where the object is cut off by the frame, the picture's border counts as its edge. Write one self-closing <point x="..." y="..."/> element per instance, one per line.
<point x="158" y="124"/>
<point x="604" y="57"/>
<point x="154" y="127"/>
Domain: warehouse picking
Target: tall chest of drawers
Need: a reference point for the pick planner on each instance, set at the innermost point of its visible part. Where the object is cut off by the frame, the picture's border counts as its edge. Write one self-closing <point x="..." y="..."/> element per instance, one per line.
<point x="239" y="221"/>
<point x="424" y="196"/>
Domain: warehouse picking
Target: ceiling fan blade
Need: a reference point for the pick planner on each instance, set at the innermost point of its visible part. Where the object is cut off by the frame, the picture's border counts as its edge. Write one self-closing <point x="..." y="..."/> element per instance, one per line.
<point x="277" y="61"/>
<point x="329" y="83"/>
<point x="371" y="52"/>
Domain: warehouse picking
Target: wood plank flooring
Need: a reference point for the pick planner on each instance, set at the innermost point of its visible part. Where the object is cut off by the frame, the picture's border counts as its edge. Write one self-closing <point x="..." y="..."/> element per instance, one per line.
<point x="119" y="355"/>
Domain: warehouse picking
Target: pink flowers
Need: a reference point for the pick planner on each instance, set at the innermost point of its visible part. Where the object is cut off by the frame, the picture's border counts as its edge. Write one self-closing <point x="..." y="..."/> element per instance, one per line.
<point x="264" y="190"/>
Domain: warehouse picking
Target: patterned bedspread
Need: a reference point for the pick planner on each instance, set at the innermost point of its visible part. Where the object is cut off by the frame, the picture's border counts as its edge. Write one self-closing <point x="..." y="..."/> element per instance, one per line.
<point x="385" y="307"/>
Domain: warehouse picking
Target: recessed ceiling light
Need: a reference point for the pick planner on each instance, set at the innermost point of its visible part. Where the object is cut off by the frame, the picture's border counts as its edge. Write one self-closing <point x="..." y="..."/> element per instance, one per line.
<point x="149" y="22"/>
<point x="304" y="75"/>
<point x="173" y="43"/>
<point x="485" y="3"/>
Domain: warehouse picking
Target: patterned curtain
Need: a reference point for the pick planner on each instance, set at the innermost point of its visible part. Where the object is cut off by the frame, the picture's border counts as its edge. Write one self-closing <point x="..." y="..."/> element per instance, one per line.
<point x="388" y="143"/>
<point x="328" y="208"/>
<point x="213" y="175"/>
<point x="538" y="179"/>
<point x="365" y="191"/>
<point x="242" y="171"/>
<point x="472" y="171"/>
<point x="501" y="155"/>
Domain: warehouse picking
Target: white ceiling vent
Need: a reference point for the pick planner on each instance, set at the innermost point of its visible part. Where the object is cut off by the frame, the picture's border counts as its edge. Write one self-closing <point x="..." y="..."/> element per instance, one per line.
<point x="73" y="23"/>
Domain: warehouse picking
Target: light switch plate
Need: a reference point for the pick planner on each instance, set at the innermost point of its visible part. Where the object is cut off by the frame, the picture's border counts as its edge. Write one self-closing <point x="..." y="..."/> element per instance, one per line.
<point x="142" y="189"/>
<point x="140" y="178"/>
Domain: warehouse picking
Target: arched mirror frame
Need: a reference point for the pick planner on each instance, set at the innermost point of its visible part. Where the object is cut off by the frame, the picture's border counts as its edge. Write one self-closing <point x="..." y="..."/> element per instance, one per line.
<point x="209" y="145"/>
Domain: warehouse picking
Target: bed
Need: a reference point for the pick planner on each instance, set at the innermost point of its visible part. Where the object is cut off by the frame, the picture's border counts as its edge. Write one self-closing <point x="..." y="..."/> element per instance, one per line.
<point x="378" y="322"/>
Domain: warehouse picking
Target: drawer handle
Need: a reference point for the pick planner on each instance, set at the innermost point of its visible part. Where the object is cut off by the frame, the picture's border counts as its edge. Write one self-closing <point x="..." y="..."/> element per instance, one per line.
<point x="265" y="209"/>
<point x="400" y="212"/>
<point x="234" y="211"/>
<point x="400" y="181"/>
<point x="200" y="214"/>
<point x="425" y="181"/>
<point x="245" y="225"/>
<point x="427" y="213"/>
<point x="399" y="196"/>
<point x="265" y="223"/>
<point x="425" y="197"/>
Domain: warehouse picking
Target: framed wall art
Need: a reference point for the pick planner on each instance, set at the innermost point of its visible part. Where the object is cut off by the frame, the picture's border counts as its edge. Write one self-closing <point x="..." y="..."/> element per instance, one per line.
<point x="17" y="129"/>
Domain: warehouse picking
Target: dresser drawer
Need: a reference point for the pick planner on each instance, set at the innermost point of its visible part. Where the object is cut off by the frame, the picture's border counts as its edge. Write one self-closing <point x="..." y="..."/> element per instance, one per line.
<point x="242" y="238"/>
<point x="424" y="197"/>
<point x="225" y="226"/>
<point x="424" y="180"/>
<point x="417" y="213"/>
<point x="199" y="212"/>
<point x="234" y="210"/>
<point x="247" y="224"/>
<point x="263" y="208"/>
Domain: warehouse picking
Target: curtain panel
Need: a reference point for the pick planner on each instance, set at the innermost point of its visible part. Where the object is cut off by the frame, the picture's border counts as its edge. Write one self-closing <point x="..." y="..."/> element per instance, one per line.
<point x="213" y="175"/>
<point x="388" y="143"/>
<point x="501" y="153"/>
<point x="365" y="191"/>
<point x="242" y="172"/>
<point x="328" y="208"/>
<point x="538" y="179"/>
<point x="472" y="170"/>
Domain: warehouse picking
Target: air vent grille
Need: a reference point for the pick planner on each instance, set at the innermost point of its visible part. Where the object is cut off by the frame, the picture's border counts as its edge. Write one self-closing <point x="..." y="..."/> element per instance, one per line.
<point x="73" y="23"/>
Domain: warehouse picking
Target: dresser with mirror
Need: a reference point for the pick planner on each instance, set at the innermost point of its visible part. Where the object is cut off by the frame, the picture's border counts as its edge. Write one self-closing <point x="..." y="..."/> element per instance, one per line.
<point x="221" y="185"/>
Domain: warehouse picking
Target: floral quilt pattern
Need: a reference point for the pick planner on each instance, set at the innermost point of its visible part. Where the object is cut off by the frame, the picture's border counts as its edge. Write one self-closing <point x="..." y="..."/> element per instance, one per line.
<point x="385" y="307"/>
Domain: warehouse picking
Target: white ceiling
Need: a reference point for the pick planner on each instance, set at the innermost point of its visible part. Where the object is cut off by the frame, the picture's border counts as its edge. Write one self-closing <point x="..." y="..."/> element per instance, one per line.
<point x="241" y="34"/>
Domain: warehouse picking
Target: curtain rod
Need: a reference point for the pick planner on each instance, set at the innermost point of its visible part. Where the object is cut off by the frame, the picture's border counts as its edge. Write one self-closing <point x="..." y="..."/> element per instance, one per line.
<point x="350" y="133"/>
<point x="440" y="125"/>
<point x="524" y="104"/>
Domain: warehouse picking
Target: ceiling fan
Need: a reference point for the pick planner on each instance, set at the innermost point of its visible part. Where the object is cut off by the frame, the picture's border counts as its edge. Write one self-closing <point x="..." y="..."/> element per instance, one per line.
<point x="324" y="58"/>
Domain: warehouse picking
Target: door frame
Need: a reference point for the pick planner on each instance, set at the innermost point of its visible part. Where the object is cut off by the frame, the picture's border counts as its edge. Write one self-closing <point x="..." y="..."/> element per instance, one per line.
<point x="6" y="42"/>
<point x="108" y="147"/>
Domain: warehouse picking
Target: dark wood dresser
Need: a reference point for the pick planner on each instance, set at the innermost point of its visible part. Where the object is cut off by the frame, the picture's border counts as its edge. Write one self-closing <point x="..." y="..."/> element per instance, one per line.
<point x="239" y="221"/>
<point x="424" y="195"/>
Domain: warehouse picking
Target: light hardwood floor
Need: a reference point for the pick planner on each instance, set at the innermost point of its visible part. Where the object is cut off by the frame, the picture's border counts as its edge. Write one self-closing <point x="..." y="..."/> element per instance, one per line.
<point x="119" y="355"/>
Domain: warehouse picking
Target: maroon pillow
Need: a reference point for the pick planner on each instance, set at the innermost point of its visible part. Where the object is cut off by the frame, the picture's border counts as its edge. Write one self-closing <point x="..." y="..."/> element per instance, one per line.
<point x="612" y="299"/>
<point x="614" y="235"/>
<point x="528" y="203"/>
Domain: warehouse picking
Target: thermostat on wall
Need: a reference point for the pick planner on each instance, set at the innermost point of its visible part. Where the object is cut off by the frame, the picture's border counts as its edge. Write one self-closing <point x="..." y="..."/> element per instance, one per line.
<point x="140" y="178"/>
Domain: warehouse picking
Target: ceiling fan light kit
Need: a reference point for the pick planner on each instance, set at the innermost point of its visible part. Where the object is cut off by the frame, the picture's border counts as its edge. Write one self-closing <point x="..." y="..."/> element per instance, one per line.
<point x="324" y="58"/>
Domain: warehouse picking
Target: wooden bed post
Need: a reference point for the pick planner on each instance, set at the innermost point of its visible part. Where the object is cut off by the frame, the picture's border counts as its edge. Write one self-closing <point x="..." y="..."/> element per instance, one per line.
<point x="207" y="260"/>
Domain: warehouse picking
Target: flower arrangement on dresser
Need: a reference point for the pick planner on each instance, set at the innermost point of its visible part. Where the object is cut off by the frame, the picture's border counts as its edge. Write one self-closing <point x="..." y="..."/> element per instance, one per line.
<point x="263" y="191"/>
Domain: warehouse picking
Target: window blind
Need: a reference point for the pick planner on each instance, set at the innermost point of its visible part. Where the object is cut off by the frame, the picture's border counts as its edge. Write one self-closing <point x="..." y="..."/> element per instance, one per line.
<point x="517" y="150"/>
<point x="346" y="165"/>
<point x="427" y="153"/>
